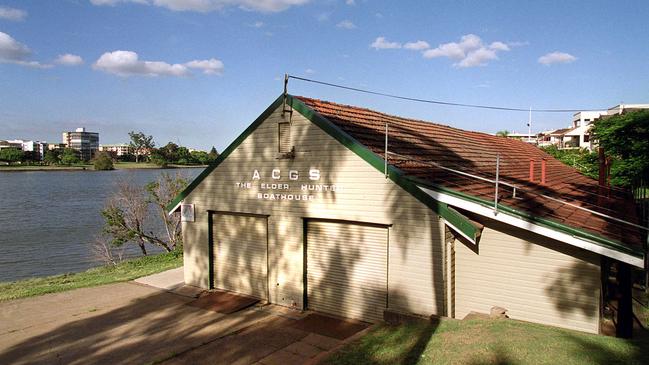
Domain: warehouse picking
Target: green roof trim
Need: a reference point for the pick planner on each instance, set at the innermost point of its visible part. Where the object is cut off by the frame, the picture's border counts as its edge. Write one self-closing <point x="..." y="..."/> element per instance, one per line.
<point x="410" y="184"/>
<point x="394" y="173"/>
<point x="260" y="119"/>
<point x="577" y="232"/>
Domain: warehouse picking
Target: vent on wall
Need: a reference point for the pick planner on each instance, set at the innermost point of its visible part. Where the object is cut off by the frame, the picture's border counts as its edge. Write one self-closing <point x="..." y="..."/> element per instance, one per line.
<point x="284" y="134"/>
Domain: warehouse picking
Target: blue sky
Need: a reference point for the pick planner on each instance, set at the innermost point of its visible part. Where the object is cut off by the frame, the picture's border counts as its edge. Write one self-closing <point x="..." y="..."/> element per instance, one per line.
<point x="199" y="71"/>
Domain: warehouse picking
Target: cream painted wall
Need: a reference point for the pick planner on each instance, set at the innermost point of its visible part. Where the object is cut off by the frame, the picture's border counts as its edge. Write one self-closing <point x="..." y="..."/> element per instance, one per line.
<point x="535" y="279"/>
<point x="415" y="270"/>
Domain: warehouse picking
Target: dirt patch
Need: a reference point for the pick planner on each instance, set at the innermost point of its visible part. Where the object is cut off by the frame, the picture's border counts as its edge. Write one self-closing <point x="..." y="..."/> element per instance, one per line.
<point x="329" y="326"/>
<point x="223" y="302"/>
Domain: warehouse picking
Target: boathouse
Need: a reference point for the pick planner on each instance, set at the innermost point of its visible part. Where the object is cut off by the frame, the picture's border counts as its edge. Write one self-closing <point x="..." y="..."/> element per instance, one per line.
<point x="352" y="212"/>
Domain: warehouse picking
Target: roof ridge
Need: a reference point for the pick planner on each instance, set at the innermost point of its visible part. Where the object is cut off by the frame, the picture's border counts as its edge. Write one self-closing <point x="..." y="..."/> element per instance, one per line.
<point x="421" y="121"/>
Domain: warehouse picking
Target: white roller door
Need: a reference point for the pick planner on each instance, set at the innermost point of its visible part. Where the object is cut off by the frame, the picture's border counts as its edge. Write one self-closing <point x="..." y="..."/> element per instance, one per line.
<point x="240" y="254"/>
<point x="346" y="269"/>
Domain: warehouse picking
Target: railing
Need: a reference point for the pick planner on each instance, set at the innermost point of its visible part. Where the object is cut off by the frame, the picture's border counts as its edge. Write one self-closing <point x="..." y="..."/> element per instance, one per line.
<point x="499" y="182"/>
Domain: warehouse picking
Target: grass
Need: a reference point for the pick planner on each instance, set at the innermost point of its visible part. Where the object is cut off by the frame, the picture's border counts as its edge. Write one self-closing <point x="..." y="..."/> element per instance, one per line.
<point x="488" y="342"/>
<point x="125" y="271"/>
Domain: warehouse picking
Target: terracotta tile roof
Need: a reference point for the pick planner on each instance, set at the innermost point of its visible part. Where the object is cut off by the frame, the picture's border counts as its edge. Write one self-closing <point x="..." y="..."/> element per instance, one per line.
<point x="414" y="147"/>
<point x="561" y="132"/>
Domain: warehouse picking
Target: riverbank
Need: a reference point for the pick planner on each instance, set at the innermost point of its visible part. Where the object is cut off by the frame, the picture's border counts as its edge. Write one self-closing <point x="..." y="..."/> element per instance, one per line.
<point x="89" y="167"/>
<point x="125" y="271"/>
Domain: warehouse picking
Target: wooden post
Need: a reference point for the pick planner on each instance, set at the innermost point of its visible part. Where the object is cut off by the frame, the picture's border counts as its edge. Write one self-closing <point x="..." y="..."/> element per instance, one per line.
<point x="624" y="327"/>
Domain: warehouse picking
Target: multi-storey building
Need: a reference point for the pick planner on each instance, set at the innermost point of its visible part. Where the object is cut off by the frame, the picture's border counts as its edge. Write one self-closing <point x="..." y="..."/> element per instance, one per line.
<point x="87" y="143"/>
<point x="35" y="148"/>
<point x="116" y="150"/>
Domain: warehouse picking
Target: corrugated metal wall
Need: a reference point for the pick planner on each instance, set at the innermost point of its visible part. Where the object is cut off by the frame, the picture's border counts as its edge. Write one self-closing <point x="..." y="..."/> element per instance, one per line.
<point x="346" y="269"/>
<point x="545" y="282"/>
<point x="240" y="254"/>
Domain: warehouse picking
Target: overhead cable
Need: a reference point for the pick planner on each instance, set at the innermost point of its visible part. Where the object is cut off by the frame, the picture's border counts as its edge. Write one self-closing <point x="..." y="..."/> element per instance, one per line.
<point x="438" y="102"/>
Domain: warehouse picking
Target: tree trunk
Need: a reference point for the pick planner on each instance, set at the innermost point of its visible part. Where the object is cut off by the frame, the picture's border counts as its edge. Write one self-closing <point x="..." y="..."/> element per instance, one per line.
<point x="143" y="248"/>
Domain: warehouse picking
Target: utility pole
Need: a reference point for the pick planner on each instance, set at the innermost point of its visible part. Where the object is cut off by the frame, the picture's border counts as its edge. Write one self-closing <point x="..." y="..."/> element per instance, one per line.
<point x="529" y="126"/>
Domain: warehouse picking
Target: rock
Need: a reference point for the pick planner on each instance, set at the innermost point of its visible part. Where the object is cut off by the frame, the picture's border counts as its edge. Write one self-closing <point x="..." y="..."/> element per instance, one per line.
<point x="498" y="313"/>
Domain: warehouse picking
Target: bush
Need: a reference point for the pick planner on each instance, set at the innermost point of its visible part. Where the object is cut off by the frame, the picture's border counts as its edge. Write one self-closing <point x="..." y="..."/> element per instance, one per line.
<point x="103" y="161"/>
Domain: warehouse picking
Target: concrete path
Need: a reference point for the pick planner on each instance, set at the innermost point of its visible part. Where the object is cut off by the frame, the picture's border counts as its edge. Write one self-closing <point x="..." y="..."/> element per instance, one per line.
<point x="167" y="280"/>
<point x="129" y="323"/>
<point x="122" y="323"/>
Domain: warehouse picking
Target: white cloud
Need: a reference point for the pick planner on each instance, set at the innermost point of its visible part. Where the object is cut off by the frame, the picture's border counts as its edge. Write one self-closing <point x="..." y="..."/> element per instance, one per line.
<point x="479" y="57"/>
<point x="11" y="50"/>
<point x="12" y="14"/>
<point x="128" y="63"/>
<point x="346" y="24"/>
<point x="470" y="51"/>
<point x="417" y="46"/>
<point x="266" y="6"/>
<point x="499" y="46"/>
<point x="350" y="2"/>
<point x="209" y="67"/>
<point x="556" y="57"/>
<point x="309" y="71"/>
<point x="257" y="24"/>
<point x="382" y="43"/>
<point x="69" y="60"/>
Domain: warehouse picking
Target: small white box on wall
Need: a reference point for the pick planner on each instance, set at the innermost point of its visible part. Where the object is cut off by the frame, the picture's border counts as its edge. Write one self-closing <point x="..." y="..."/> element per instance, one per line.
<point x="187" y="212"/>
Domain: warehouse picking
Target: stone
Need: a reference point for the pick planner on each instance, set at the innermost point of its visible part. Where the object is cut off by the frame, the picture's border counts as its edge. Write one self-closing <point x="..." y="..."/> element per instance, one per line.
<point x="498" y="313"/>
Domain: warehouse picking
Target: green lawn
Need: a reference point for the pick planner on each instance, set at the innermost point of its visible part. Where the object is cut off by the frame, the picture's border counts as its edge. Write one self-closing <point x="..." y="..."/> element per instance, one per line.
<point x="127" y="270"/>
<point x="488" y="342"/>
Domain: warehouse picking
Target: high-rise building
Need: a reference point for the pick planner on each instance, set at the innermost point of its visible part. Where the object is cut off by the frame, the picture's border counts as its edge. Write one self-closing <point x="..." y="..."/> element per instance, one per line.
<point x="87" y="143"/>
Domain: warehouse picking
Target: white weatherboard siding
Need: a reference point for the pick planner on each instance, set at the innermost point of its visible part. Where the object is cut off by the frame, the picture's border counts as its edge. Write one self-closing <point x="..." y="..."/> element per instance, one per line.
<point x="415" y="269"/>
<point x="546" y="282"/>
<point x="347" y="269"/>
<point x="239" y="246"/>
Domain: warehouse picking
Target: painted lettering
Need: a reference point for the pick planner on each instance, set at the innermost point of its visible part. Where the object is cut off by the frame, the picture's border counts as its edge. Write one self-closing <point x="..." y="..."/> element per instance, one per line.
<point x="255" y="175"/>
<point x="293" y="175"/>
<point x="314" y="174"/>
<point x="275" y="174"/>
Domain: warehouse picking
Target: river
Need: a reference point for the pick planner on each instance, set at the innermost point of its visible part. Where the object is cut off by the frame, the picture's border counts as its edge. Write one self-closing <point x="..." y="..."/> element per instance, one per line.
<point x="49" y="219"/>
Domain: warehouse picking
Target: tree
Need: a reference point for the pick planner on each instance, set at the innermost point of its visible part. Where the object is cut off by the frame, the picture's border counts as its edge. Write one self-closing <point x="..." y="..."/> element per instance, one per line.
<point x="10" y="155"/>
<point x="200" y="157"/>
<point x="158" y="158"/>
<point x="103" y="161"/>
<point x="625" y="140"/>
<point x="160" y="193"/>
<point x="52" y="157"/>
<point x="183" y="157"/>
<point x="70" y="156"/>
<point x="212" y="155"/>
<point x="140" y="143"/>
<point x="503" y="133"/>
<point x="127" y="214"/>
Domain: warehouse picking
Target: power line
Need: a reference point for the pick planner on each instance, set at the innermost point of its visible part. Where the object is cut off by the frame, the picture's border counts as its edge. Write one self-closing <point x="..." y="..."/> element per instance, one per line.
<point x="438" y="102"/>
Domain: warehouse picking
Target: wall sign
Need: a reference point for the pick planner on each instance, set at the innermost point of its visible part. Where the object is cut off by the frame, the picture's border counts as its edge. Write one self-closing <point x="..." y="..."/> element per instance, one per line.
<point x="187" y="212"/>
<point x="287" y="185"/>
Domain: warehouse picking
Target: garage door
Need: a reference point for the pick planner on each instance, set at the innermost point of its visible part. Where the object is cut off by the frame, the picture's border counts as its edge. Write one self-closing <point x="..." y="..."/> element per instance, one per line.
<point x="240" y="254"/>
<point x="346" y="269"/>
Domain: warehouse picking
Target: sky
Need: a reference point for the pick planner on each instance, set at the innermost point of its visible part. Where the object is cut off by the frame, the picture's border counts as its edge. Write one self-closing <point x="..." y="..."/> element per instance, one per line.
<point x="198" y="72"/>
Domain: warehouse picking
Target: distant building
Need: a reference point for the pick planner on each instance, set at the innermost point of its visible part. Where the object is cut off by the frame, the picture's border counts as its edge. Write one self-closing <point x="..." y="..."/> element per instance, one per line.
<point x="116" y="150"/>
<point x="525" y="137"/>
<point x="87" y="143"/>
<point x="36" y="149"/>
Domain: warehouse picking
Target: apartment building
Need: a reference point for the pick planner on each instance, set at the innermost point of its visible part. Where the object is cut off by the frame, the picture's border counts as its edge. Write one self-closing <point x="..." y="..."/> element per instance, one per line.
<point x="87" y="143"/>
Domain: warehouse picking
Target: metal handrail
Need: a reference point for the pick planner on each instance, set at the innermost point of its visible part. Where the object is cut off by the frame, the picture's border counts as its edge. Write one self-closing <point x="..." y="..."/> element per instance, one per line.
<point x="498" y="181"/>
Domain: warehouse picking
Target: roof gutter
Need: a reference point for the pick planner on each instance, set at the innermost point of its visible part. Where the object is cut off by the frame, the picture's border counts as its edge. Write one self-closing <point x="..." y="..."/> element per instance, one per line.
<point x="628" y="256"/>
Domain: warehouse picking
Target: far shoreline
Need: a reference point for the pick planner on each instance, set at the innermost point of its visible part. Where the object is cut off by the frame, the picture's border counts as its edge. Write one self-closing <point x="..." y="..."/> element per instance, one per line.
<point x="118" y="166"/>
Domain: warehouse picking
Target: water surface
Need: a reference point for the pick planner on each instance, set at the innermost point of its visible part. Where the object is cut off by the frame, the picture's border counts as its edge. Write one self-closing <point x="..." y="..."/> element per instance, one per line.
<point x="49" y="219"/>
